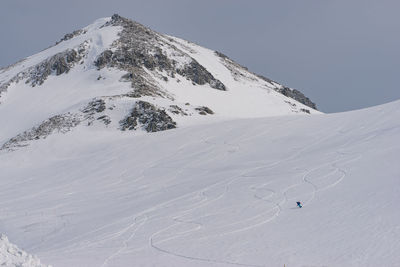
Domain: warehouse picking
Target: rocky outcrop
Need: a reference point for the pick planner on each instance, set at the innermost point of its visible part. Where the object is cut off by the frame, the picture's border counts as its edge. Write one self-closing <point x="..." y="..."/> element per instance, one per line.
<point x="204" y="110"/>
<point x="95" y="111"/>
<point x="71" y="35"/>
<point x="139" y="48"/>
<point x="143" y="116"/>
<point x="199" y="75"/>
<point x="103" y="59"/>
<point x="175" y="109"/>
<point x="148" y="117"/>
<point x="58" y="64"/>
<point x="298" y="96"/>
<point x="95" y="106"/>
<point x="59" y="123"/>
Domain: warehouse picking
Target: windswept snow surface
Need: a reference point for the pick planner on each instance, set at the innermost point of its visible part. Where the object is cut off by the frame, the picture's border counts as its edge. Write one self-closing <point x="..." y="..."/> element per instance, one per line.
<point x="218" y="194"/>
<point x="12" y="256"/>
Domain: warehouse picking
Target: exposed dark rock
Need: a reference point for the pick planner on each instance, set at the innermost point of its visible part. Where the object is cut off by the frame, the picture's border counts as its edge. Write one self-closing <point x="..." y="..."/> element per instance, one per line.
<point x="177" y="110"/>
<point x="149" y="117"/>
<point x="59" y="123"/>
<point x="221" y="55"/>
<point x="238" y="72"/>
<point x="265" y="79"/>
<point x="143" y="84"/>
<point x="95" y="106"/>
<point x="105" y="118"/>
<point x="204" y="110"/>
<point x="71" y="35"/>
<point x="297" y="95"/>
<point x="58" y="64"/>
<point x="103" y="59"/>
<point x="291" y="104"/>
<point x="139" y="47"/>
<point x="133" y="62"/>
<point x="133" y="94"/>
<point x="199" y="75"/>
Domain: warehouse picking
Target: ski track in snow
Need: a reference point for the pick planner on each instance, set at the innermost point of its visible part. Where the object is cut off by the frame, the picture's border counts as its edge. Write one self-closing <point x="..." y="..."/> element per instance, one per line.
<point x="275" y="200"/>
<point x="135" y="225"/>
<point x="176" y="219"/>
<point x="277" y="206"/>
<point x="183" y="222"/>
<point x="258" y="220"/>
<point x="344" y="158"/>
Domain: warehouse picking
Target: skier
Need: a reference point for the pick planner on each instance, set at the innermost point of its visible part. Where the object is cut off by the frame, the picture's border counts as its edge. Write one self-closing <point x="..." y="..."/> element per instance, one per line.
<point x="299" y="204"/>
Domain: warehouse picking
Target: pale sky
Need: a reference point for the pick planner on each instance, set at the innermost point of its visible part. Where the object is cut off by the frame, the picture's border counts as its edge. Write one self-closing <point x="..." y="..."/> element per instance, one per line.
<point x="343" y="54"/>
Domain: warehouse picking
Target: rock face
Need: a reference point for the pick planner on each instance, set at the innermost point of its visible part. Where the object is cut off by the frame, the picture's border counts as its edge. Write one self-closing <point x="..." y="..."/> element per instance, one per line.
<point x="95" y="111"/>
<point x="59" y="123"/>
<point x="204" y="110"/>
<point x="57" y="64"/>
<point x="95" y="106"/>
<point x="199" y="75"/>
<point x="69" y="36"/>
<point x="148" y="117"/>
<point x="140" y="48"/>
<point x="297" y="95"/>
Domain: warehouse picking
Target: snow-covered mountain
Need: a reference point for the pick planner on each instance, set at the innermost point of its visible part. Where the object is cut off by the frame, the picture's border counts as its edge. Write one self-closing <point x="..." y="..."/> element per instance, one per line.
<point x="118" y="74"/>
<point x="218" y="190"/>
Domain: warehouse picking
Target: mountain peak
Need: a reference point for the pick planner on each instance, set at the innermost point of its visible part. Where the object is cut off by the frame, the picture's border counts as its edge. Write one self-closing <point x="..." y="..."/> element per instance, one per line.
<point x="118" y="74"/>
<point x="116" y="19"/>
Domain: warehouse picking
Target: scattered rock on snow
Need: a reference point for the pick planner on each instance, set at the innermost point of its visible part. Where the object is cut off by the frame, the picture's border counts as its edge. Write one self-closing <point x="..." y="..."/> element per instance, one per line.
<point x="59" y="123"/>
<point x="204" y="110"/>
<point x="149" y="117"/>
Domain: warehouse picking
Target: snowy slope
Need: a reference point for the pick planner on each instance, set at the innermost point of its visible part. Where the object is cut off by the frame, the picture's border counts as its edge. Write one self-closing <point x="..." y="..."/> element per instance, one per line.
<point x="216" y="194"/>
<point x="12" y="256"/>
<point x="120" y="62"/>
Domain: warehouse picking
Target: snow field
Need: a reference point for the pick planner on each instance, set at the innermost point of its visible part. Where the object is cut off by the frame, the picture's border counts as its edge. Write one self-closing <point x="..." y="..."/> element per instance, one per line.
<point x="217" y="194"/>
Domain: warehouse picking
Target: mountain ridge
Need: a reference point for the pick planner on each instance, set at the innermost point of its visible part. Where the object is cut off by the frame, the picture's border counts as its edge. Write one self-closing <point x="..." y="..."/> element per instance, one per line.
<point x="172" y="82"/>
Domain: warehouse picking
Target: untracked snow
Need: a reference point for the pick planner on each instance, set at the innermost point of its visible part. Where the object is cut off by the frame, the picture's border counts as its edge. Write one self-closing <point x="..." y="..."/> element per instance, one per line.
<point x="216" y="194"/>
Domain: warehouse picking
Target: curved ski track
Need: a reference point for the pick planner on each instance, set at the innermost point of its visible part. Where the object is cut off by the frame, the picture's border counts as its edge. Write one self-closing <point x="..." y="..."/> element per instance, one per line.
<point x="275" y="200"/>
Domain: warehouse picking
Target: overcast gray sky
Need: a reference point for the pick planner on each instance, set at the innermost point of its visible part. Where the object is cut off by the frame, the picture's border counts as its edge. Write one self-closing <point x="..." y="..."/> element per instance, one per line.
<point x="343" y="54"/>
